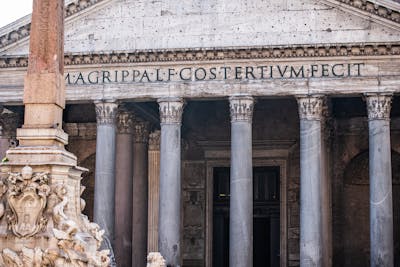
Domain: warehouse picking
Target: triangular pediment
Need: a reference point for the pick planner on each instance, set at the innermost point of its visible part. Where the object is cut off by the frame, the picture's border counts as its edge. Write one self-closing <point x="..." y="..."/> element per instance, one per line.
<point x="128" y="25"/>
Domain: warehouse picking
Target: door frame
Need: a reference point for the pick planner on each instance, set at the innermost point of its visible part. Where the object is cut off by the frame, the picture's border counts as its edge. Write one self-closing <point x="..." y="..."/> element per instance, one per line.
<point x="262" y="156"/>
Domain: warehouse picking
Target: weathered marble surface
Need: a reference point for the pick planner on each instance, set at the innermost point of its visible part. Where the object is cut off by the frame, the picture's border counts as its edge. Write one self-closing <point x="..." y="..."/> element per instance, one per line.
<point x="127" y="25"/>
<point x="169" y="235"/>
<point x="241" y="183"/>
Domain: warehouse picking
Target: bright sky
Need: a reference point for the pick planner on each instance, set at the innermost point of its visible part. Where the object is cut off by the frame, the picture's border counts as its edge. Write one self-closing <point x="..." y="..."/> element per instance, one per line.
<point x="12" y="10"/>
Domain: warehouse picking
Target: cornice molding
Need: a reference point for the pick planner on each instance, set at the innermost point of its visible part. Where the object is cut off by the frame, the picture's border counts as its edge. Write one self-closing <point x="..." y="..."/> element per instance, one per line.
<point x="23" y="31"/>
<point x="383" y="12"/>
<point x="219" y="54"/>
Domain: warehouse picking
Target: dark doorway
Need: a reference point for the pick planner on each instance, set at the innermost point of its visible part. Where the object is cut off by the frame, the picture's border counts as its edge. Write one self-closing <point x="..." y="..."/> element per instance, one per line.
<point x="266" y="224"/>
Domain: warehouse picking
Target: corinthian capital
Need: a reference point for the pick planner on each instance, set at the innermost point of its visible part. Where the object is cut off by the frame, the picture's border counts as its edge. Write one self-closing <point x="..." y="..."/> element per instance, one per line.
<point x="241" y="108"/>
<point x="106" y="112"/>
<point x="154" y="140"/>
<point x="171" y="110"/>
<point x="141" y="134"/>
<point x="124" y="122"/>
<point x="311" y="107"/>
<point x="378" y="106"/>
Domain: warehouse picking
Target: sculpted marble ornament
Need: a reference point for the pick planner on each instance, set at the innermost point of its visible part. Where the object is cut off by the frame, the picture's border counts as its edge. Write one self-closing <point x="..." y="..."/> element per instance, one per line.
<point x="38" y="209"/>
<point x="27" y="198"/>
<point x="171" y="110"/>
<point x="241" y="108"/>
<point x="106" y="112"/>
<point x="155" y="259"/>
<point x="310" y="107"/>
<point x="124" y="122"/>
<point x="379" y="106"/>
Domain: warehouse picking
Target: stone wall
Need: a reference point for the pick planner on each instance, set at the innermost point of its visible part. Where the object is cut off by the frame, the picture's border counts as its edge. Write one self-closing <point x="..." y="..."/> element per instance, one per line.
<point x="128" y="24"/>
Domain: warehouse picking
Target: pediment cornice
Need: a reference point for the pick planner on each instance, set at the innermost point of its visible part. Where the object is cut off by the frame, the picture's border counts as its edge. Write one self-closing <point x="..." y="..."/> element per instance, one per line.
<point x="21" y="30"/>
<point x="220" y="54"/>
<point x="384" y="12"/>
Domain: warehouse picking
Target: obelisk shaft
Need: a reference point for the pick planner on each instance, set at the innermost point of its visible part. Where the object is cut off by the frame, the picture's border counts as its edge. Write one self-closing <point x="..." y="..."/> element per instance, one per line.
<point x="44" y="92"/>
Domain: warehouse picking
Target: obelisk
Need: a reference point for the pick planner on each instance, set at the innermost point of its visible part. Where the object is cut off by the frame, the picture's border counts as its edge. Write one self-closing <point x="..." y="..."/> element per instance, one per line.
<point x="40" y="186"/>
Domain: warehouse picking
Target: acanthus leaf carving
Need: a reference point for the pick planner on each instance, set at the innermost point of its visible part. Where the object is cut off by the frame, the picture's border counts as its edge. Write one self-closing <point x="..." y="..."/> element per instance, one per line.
<point x="311" y="107"/>
<point x="379" y="106"/>
<point x="78" y="241"/>
<point x="241" y="108"/>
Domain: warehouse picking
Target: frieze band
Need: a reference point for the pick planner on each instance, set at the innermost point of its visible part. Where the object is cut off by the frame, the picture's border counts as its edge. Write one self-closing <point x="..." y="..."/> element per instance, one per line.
<point x="200" y="73"/>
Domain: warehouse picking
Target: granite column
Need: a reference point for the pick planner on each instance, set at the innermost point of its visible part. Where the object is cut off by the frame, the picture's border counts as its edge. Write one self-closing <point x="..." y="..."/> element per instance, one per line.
<point x="380" y="172"/>
<point x="154" y="190"/>
<point x="104" y="190"/>
<point x="123" y="189"/>
<point x="311" y="164"/>
<point x="8" y="128"/>
<point x="140" y="187"/>
<point x="170" y="180"/>
<point x="241" y="184"/>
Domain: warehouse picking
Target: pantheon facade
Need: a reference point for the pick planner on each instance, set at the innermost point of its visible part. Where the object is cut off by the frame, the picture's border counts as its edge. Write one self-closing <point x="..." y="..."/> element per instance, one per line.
<point x="230" y="133"/>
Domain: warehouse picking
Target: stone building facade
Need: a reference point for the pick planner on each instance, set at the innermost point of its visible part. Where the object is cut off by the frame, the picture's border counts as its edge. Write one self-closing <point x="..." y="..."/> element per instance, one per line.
<point x="266" y="129"/>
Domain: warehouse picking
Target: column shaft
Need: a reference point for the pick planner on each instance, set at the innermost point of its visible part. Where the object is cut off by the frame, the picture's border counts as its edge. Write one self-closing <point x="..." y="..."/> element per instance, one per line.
<point x="380" y="172"/>
<point x="154" y="191"/>
<point x="326" y="196"/>
<point x="310" y="111"/>
<point x="140" y="187"/>
<point x="241" y="184"/>
<point x="104" y="191"/>
<point x="123" y="190"/>
<point x="170" y="181"/>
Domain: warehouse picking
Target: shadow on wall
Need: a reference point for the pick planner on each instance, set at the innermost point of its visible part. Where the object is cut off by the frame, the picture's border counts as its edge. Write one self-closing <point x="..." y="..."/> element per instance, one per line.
<point x="355" y="214"/>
